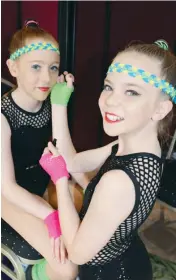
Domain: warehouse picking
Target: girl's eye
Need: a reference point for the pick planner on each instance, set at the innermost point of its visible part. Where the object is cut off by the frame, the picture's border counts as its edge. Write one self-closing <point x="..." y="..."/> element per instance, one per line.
<point x="55" y="68"/>
<point x="107" y="88"/>
<point x="132" y="93"/>
<point x="36" y="66"/>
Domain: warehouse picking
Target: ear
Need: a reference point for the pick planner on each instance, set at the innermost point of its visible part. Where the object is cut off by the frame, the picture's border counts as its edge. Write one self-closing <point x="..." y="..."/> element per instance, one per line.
<point x="13" y="68"/>
<point x="163" y="110"/>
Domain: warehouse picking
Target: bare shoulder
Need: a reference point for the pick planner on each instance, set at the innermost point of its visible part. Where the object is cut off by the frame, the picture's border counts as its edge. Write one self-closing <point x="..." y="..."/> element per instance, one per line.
<point x="117" y="185"/>
<point x="116" y="176"/>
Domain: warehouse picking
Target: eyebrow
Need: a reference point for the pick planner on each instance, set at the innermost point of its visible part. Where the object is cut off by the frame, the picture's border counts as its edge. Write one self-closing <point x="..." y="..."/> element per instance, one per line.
<point x="41" y="61"/>
<point x="127" y="84"/>
<point x="108" y="81"/>
<point x="134" y="85"/>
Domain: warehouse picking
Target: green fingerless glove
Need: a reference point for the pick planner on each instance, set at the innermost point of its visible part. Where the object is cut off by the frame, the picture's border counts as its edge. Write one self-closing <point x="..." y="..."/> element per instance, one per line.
<point x="60" y="94"/>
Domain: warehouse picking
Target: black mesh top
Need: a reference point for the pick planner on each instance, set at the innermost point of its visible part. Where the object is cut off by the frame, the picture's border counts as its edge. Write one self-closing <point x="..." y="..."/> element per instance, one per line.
<point x="30" y="135"/>
<point x="145" y="171"/>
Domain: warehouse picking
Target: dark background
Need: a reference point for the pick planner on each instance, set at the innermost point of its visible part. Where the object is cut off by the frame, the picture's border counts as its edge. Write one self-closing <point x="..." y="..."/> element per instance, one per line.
<point x="90" y="34"/>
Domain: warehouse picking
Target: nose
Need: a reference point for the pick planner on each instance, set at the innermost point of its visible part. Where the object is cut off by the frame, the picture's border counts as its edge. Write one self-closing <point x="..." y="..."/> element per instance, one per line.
<point x="45" y="76"/>
<point x="112" y="99"/>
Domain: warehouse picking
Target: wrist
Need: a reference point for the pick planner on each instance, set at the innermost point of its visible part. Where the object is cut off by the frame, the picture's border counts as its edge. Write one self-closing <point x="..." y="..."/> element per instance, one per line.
<point x="53" y="224"/>
<point x="52" y="214"/>
<point x="48" y="212"/>
<point x="62" y="181"/>
<point x="59" y="107"/>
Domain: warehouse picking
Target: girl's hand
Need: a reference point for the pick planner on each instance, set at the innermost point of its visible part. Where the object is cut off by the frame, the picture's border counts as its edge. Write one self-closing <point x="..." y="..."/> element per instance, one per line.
<point x="53" y="163"/>
<point x="66" y="77"/>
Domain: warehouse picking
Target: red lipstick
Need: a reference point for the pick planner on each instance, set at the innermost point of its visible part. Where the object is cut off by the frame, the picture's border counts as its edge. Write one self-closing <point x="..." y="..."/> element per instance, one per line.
<point x="44" y="88"/>
<point x="112" y="118"/>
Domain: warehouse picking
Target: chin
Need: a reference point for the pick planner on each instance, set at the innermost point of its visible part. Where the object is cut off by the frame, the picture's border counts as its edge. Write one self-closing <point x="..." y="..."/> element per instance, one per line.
<point x="41" y="97"/>
<point x="112" y="132"/>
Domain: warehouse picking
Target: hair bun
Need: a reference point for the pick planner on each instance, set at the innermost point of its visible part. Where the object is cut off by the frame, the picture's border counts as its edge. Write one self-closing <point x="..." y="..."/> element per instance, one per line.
<point x="162" y="44"/>
<point x="31" y="23"/>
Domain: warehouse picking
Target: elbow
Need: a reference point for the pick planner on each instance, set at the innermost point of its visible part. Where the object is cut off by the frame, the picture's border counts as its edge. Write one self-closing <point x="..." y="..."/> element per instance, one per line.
<point x="76" y="260"/>
<point x="6" y="189"/>
<point x="71" y="167"/>
<point x="5" y="193"/>
<point x="72" y="164"/>
<point x="77" y="257"/>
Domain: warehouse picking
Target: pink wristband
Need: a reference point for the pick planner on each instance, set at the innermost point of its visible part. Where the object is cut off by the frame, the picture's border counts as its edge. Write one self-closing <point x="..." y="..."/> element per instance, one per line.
<point x="53" y="224"/>
<point x="54" y="166"/>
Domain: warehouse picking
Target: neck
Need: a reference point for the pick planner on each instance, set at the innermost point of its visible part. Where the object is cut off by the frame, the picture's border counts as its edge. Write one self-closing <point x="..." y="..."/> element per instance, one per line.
<point x="145" y="140"/>
<point x="25" y="101"/>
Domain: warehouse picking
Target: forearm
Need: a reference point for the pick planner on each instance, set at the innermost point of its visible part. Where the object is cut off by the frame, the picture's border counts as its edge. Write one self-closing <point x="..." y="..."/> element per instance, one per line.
<point x="30" y="203"/>
<point x="61" y="133"/>
<point x="64" y="143"/>
<point x="68" y="215"/>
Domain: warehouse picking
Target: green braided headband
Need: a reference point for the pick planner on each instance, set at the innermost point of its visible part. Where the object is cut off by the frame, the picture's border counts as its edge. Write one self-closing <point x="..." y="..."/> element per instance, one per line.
<point x="145" y="76"/>
<point x="162" y="44"/>
<point x="33" y="47"/>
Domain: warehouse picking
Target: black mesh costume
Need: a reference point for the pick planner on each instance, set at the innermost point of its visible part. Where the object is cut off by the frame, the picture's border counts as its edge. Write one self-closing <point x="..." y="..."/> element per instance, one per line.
<point x="124" y="257"/>
<point x="30" y="133"/>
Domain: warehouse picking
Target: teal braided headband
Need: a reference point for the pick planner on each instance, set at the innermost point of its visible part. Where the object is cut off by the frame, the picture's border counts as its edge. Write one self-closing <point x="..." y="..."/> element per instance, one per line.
<point x="146" y="77"/>
<point x="33" y="47"/>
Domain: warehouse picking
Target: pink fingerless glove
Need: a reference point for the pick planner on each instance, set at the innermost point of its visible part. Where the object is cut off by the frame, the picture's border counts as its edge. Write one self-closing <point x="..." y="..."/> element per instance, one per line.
<point x="54" y="166"/>
<point x="53" y="224"/>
